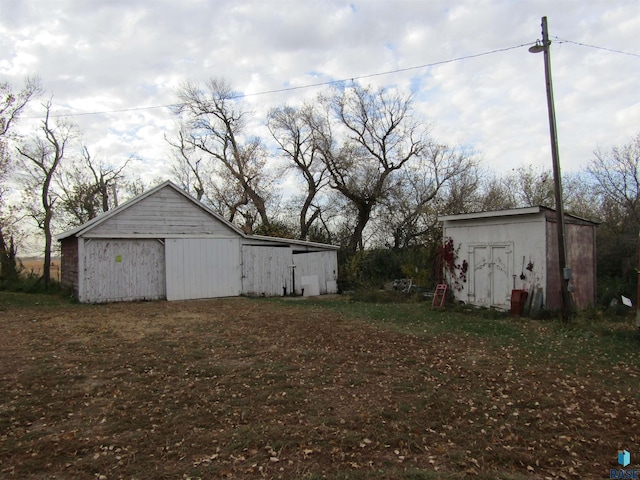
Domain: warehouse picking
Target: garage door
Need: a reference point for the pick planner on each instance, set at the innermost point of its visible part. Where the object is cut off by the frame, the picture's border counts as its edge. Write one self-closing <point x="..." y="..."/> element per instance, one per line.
<point x="202" y="268"/>
<point x="122" y="270"/>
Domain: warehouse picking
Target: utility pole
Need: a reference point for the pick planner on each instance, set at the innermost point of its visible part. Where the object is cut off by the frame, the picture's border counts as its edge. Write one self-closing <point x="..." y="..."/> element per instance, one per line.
<point x="638" y="297"/>
<point x="565" y="272"/>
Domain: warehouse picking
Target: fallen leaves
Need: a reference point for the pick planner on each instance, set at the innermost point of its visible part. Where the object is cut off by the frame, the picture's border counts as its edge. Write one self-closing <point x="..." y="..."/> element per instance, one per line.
<point x="232" y="388"/>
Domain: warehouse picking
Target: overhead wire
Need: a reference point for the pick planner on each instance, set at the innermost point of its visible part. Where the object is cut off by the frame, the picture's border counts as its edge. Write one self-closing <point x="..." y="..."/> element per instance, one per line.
<point x="389" y="72"/>
<point x="302" y="87"/>
<point x="335" y="82"/>
<point x="597" y="47"/>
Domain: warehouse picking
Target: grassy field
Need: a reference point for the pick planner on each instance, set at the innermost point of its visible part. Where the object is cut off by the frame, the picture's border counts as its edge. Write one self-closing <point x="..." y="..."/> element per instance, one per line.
<point x="261" y="388"/>
<point x="34" y="266"/>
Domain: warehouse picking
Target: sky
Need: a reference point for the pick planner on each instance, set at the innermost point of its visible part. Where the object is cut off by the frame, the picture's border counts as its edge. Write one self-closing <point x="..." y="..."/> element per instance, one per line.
<point x="114" y="66"/>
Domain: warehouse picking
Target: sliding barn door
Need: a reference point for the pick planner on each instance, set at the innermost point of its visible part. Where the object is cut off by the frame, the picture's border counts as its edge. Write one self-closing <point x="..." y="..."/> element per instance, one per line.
<point x="202" y="268"/>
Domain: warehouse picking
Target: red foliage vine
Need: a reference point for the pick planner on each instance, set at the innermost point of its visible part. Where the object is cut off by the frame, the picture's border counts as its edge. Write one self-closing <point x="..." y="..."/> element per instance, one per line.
<point x="457" y="271"/>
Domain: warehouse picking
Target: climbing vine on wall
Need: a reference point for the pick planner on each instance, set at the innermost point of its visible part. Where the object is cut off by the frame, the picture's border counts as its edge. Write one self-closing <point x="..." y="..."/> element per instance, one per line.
<point x="454" y="270"/>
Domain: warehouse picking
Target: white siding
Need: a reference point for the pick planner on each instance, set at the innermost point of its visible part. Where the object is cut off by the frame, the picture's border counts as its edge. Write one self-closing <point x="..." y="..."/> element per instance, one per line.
<point x="322" y="265"/>
<point x="310" y="285"/>
<point x="164" y="213"/>
<point x="202" y="268"/>
<point x="266" y="270"/>
<point x="494" y="249"/>
<point x="165" y="244"/>
<point x="122" y="270"/>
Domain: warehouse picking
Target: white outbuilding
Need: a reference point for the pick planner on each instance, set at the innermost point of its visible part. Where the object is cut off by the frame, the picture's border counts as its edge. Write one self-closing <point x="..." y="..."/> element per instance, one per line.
<point x="493" y="254"/>
<point x="165" y="244"/>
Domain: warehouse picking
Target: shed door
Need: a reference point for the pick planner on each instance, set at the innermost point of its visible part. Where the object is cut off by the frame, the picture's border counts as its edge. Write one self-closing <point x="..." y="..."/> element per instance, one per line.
<point x="123" y="270"/>
<point x="500" y="276"/>
<point x="491" y="279"/>
<point x="317" y="272"/>
<point x="266" y="270"/>
<point x="202" y="268"/>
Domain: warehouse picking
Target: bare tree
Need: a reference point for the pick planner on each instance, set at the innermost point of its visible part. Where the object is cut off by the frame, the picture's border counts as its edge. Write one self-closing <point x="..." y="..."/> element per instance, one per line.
<point x="531" y="187"/>
<point x="11" y="106"/>
<point x="89" y="187"/>
<point x="374" y="138"/>
<point x="524" y="186"/>
<point x="493" y="194"/>
<point x="190" y="168"/>
<point x="216" y="128"/>
<point x="217" y="188"/>
<point x="441" y="180"/>
<point x="617" y="172"/>
<point x="133" y="185"/>
<point x="581" y="196"/>
<point x="41" y="156"/>
<point x="464" y="195"/>
<point x="292" y="129"/>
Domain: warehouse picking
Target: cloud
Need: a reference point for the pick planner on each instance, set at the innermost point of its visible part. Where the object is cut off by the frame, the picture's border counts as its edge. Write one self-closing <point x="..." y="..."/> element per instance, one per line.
<point x="118" y="55"/>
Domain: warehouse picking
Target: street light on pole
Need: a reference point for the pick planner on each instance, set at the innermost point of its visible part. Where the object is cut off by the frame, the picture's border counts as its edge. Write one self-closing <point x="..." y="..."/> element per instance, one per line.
<point x="565" y="272"/>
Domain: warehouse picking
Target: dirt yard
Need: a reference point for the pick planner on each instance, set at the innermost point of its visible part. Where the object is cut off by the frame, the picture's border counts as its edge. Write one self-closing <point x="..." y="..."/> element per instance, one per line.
<point x="243" y="388"/>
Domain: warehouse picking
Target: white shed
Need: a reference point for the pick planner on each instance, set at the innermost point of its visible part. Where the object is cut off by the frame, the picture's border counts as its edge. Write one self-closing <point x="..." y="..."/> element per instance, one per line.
<point x="500" y="251"/>
<point x="164" y="244"/>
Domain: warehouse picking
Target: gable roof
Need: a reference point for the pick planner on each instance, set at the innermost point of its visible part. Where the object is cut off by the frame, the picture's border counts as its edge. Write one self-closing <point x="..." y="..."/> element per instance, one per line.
<point x="103" y="217"/>
<point x="94" y="223"/>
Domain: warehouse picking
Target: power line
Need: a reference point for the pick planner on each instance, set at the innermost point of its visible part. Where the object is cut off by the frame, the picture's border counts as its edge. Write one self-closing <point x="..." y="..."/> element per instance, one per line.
<point x="389" y="72"/>
<point x="597" y="47"/>
<point x="360" y="77"/>
<point x="302" y="87"/>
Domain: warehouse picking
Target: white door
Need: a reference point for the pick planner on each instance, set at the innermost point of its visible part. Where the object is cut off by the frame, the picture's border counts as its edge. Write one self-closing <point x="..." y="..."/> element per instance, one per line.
<point x="266" y="270"/>
<point x="500" y="276"/>
<point x="490" y="278"/>
<point x="479" y="287"/>
<point x="202" y="268"/>
<point x="122" y="270"/>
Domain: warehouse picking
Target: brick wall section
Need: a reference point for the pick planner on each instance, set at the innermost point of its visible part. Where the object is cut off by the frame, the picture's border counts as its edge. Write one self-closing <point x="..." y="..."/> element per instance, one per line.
<point x="69" y="263"/>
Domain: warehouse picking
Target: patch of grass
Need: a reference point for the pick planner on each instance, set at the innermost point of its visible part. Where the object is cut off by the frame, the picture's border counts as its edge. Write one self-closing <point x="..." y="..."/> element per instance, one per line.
<point x="614" y="338"/>
<point x="42" y="300"/>
<point x="267" y="388"/>
<point x="384" y="296"/>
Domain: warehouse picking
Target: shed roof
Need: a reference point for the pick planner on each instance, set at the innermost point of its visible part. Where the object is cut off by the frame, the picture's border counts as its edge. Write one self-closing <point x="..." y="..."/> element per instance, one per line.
<point x="505" y="213"/>
<point x="100" y="219"/>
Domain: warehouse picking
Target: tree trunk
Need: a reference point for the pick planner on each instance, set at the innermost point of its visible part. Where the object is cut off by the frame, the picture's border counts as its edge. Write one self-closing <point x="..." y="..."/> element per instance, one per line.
<point x="46" y="270"/>
<point x="364" y="213"/>
<point x="8" y="267"/>
<point x="259" y="203"/>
